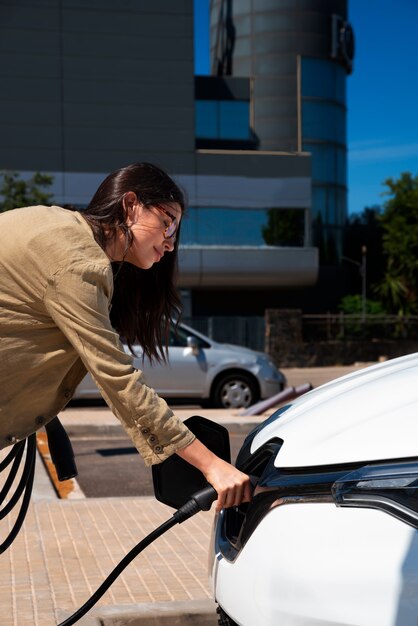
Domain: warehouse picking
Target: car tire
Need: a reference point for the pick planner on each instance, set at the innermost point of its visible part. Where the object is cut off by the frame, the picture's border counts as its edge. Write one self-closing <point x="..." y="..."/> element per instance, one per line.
<point x="234" y="391"/>
<point x="223" y="619"/>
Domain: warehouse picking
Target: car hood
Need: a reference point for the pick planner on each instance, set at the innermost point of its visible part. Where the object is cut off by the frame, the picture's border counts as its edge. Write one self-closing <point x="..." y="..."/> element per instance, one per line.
<point x="371" y="414"/>
<point x="241" y="350"/>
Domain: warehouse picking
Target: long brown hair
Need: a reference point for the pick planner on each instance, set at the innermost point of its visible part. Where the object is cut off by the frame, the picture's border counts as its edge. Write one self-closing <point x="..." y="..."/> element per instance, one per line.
<point x="144" y="302"/>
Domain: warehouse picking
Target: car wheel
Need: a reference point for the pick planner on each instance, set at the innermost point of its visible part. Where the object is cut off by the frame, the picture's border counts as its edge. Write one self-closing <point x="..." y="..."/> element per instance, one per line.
<point x="223" y="619"/>
<point x="235" y="391"/>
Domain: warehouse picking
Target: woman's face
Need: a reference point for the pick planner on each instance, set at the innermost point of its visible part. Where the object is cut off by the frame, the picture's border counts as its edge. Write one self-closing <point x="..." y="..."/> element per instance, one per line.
<point x="148" y="226"/>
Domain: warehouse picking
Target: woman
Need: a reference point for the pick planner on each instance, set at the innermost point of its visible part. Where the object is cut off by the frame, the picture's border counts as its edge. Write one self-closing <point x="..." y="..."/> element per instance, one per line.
<point x="71" y="284"/>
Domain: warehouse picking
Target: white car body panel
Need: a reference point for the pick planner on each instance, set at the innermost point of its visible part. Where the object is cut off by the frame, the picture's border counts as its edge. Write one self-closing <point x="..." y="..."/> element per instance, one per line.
<point x="352" y="576"/>
<point x="317" y="564"/>
<point x="352" y="418"/>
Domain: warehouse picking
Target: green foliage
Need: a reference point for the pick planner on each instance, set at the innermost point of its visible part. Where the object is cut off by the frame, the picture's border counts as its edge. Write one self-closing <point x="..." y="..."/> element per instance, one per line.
<point x="353" y="305"/>
<point x="394" y="292"/>
<point x="398" y="288"/>
<point x="354" y="324"/>
<point x="16" y="193"/>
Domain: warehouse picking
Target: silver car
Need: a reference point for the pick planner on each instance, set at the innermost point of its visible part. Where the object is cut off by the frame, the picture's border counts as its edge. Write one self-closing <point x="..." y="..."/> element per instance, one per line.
<point x="216" y="374"/>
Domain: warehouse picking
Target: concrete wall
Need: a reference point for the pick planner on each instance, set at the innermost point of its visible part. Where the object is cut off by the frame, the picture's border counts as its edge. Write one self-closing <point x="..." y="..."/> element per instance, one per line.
<point x="244" y="267"/>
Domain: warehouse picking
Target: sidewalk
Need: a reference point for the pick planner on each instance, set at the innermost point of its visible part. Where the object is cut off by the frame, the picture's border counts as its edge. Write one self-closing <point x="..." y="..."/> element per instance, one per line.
<point x="66" y="548"/>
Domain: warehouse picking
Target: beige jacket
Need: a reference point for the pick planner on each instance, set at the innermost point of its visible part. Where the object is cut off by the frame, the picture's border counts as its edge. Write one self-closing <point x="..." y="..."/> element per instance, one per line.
<point x="55" y="291"/>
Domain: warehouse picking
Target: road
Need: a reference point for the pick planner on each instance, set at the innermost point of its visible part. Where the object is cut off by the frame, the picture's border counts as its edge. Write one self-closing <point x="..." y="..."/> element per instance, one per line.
<point x="112" y="467"/>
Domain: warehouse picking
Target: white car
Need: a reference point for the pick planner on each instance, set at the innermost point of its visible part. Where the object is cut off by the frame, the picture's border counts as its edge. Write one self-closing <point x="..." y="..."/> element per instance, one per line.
<point x="218" y="374"/>
<point x="330" y="537"/>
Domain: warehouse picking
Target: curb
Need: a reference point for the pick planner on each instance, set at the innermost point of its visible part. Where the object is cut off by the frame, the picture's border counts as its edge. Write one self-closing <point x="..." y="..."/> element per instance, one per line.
<point x="192" y="613"/>
<point x="116" y="430"/>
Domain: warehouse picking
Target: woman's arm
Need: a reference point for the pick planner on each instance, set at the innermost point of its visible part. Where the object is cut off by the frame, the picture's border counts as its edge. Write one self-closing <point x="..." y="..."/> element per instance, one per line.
<point x="77" y="299"/>
<point x="232" y="486"/>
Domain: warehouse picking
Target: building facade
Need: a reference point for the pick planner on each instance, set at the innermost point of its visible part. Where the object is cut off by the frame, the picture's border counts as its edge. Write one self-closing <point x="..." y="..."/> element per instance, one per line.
<point x="89" y="86"/>
<point x="298" y="54"/>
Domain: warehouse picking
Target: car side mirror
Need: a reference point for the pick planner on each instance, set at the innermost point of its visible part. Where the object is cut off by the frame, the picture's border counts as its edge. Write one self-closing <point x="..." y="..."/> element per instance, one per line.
<point x="175" y="480"/>
<point x="193" y="344"/>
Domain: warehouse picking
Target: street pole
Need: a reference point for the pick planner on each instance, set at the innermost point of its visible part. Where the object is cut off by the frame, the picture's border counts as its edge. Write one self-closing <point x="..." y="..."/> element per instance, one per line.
<point x="363" y="282"/>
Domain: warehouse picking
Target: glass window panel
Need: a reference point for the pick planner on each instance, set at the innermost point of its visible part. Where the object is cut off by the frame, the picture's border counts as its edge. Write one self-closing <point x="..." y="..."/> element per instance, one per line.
<point x="329" y="163"/>
<point x="222" y="119"/>
<point x="323" y="120"/>
<point x="245" y="227"/>
<point x="206" y="119"/>
<point x="234" y="119"/>
<point x="341" y="166"/>
<point x="340" y="83"/>
<point x="323" y="79"/>
<point x="340" y="119"/>
<point x="317" y="78"/>
<point x="189" y="227"/>
<point x="230" y="226"/>
<point x="319" y="202"/>
<point x="323" y="162"/>
<point x="330" y="203"/>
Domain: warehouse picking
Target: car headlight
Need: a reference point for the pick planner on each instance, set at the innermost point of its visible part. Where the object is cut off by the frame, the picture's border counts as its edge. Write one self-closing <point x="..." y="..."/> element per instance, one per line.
<point x="389" y="487"/>
<point x="266" y="361"/>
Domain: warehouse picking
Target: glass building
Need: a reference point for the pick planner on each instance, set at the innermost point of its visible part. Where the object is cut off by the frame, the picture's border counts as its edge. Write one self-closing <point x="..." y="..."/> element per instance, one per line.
<point x="297" y="55"/>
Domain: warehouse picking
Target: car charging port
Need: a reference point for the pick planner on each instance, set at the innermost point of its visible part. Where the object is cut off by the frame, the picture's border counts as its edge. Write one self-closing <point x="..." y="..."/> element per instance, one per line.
<point x="236" y="519"/>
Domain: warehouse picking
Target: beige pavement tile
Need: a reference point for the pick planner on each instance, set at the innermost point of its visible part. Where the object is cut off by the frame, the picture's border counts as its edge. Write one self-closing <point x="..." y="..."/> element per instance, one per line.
<point x="67" y="548"/>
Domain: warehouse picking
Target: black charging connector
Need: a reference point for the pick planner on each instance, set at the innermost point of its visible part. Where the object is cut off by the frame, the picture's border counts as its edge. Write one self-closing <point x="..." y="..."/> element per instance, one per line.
<point x="200" y="501"/>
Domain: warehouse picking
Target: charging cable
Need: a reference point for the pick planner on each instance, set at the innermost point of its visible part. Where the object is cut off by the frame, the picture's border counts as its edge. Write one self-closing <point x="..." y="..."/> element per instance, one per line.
<point x="200" y="501"/>
<point x="62" y="456"/>
<point x="14" y="459"/>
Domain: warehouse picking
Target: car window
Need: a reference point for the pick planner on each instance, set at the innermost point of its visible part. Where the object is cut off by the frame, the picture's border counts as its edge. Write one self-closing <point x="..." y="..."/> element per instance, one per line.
<point x="178" y="339"/>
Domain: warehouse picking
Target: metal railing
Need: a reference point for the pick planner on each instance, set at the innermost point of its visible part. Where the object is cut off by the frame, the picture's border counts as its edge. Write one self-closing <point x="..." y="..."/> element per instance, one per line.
<point x="249" y="331"/>
<point x="331" y="327"/>
<point x="245" y="331"/>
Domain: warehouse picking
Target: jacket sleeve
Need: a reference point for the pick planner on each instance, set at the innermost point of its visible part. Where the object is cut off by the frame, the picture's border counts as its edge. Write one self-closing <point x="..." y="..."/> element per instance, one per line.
<point x="78" y="300"/>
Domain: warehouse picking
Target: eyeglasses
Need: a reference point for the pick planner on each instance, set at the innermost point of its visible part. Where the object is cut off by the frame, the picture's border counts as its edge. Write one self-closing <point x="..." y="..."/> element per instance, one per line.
<point x="171" y="229"/>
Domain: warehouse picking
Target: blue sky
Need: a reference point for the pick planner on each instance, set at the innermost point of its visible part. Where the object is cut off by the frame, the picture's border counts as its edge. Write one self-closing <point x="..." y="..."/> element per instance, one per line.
<point x="382" y="93"/>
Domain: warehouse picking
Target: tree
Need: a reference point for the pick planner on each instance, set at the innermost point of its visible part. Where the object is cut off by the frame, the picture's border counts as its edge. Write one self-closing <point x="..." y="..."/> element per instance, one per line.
<point x="16" y="193"/>
<point x="353" y="305"/>
<point x="399" y="286"/>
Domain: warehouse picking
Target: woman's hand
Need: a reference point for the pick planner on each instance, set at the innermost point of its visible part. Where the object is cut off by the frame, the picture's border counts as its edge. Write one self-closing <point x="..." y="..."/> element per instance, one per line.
<point x="232" y="486"/>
